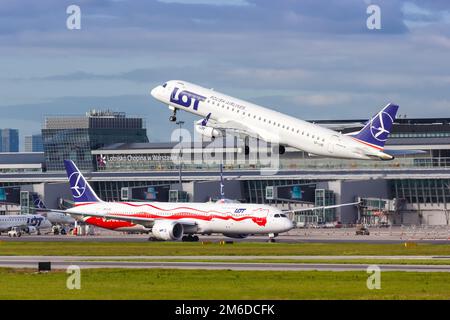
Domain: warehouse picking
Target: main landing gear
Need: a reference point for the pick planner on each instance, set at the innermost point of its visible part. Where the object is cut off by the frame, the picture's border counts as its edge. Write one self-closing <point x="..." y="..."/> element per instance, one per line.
<point x="173" y="117"/>
<point x="190" y="238"/>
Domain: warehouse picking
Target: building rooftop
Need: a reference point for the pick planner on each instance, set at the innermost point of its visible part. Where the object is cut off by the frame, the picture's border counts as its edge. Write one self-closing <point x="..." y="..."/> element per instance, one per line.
<point x="21" y="157"/>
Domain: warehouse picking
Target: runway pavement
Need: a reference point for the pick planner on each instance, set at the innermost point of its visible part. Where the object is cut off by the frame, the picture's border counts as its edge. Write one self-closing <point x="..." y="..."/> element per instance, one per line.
<point x="88" y="262"/>
<point x="62" y="262"/>
<point x="377" y="235"/>
<point x="281" y="239"/>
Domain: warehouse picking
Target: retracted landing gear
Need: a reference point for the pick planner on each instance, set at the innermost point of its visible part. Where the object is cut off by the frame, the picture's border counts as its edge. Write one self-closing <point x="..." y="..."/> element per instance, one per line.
<point x="190" y="238"/>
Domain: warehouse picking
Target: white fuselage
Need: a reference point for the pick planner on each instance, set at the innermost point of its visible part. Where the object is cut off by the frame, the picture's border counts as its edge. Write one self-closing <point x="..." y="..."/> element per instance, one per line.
<point x="270" y="125"/>
<point x="203" y="218"/>
<point x="23" y="221"/>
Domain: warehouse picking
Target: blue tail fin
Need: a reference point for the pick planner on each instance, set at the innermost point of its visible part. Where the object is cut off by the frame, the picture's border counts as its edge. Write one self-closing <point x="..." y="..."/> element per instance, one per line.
<point x="81" y="190"/>
<point x="377" y="130"/>
<point x="38" y="203"/>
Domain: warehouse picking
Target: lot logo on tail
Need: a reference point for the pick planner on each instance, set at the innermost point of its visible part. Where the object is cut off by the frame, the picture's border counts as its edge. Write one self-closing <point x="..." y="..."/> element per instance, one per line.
<point x="379" y="124"/>
<point x="38" y="203"/>
<point x="78" y="183"/>
<point x="186" y="98"/>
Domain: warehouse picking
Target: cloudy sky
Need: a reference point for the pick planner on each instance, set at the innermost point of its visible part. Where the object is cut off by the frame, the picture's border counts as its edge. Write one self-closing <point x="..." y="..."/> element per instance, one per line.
<point x="311" y="59"/>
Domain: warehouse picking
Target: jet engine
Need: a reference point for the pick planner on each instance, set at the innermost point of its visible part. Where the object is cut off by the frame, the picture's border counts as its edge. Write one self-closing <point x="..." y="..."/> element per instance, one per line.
<point x="30" y="229"/>
<point x="167" y="230"/>
<point x="208" y="131"/>
<point x="235" y="236"/>
<point x="279" y="149"/>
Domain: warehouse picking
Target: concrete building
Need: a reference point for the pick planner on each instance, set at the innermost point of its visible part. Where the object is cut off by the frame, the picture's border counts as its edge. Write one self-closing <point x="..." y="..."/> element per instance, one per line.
<point x="74" y="137"/>
<point x="413" y="189"/>
<point x="34" y="143"/>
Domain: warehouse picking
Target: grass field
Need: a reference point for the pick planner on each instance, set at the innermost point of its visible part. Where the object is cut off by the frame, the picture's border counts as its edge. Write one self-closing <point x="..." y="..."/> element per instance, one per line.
<point x="437" y="262"/>
<point x="198" y="249"/>
<point x="208" y="284"/>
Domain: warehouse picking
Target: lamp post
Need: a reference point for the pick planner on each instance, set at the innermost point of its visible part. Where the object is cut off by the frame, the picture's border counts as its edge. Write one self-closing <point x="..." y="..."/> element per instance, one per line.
<point x="180" y="123"/>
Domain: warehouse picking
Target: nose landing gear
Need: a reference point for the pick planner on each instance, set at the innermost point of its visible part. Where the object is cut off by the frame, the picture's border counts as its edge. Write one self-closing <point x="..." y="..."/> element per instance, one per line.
<point x="272" y="237"/>
<point x="173" y="117"/>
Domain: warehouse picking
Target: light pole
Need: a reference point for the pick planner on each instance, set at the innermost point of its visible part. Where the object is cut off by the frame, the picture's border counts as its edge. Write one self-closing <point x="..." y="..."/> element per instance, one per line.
<point x="180" y="123"/>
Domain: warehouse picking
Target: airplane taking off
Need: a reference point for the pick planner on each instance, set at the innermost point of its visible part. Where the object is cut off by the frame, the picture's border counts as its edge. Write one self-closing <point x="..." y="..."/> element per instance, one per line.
<point x="224" y="114"/>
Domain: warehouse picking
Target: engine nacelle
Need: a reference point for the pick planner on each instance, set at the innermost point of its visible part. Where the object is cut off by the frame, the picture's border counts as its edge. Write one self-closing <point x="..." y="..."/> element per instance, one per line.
<point x="279" y="149"/>
<point x="235" y="236"/>
<point x="167" y="230"/>
<point x="30" y="229"/>
<point x="208" y="131"/>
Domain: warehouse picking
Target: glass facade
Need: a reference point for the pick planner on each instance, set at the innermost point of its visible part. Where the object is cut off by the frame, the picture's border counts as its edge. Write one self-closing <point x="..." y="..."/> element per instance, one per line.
<point x="111" y="190"/>
<point x="9" y="140"/>
<point x="34" y="143"/>
<point x="325" y="198"/>
<point x="426" y="191"/>
<point x="255" y="190"/>
<point x="75" y="137"/>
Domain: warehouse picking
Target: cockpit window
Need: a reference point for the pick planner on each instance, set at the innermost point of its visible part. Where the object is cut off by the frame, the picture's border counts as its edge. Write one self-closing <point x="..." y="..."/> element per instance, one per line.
<point x="277" y="215"/>
<point x="164" y="85"/>
<point x="283" y="215"/>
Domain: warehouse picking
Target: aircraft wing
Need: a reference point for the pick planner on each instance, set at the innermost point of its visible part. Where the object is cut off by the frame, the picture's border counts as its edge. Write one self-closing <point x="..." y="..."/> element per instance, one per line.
<point x="341" y="126"/>
<point x="146" y="222"/>
<point x="325" y="207"/>
<point x="241" y="130"/>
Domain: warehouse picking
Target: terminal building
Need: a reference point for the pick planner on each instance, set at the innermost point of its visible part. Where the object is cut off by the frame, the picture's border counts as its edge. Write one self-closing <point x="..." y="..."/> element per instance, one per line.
<point x="121" y="164"/>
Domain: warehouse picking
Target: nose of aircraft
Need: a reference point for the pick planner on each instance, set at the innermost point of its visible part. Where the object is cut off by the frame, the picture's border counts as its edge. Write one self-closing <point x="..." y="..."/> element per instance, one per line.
<point x="289" y="224"/>
<point x="154" y="91"/>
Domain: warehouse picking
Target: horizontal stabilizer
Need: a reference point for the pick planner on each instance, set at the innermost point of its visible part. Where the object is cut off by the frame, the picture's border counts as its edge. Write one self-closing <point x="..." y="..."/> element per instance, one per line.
<point x="403" y="152"/>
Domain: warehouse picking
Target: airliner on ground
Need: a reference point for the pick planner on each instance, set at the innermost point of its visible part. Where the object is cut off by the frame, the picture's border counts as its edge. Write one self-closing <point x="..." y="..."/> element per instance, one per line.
<point x="56" y="218"/>
<point x="29" y="223"/>
<point x="174" y="221"/>
<point x="224" y="114"/>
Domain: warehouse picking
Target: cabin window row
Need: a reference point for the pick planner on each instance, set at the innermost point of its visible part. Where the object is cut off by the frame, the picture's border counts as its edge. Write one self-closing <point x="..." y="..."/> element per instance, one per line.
<point x="271" y="122"/>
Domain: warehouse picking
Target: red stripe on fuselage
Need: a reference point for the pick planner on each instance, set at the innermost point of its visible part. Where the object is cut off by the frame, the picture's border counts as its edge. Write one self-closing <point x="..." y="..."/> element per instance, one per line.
<point x="110" y="223"/>
<point x="367" y="144"/>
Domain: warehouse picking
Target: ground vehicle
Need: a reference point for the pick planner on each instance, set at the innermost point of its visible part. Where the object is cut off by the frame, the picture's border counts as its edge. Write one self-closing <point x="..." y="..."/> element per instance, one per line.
<point x="362" y="231"/>
<point x="300" y="224"/>
<point x="14" y="232"/>
<point x="58" y="230"/>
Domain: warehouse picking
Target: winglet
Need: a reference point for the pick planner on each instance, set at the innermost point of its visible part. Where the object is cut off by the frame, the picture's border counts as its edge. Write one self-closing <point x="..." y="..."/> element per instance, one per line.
<point x="205" y="121"/>
<point x="81" y="190"/>
<point x="376" y="131"/>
